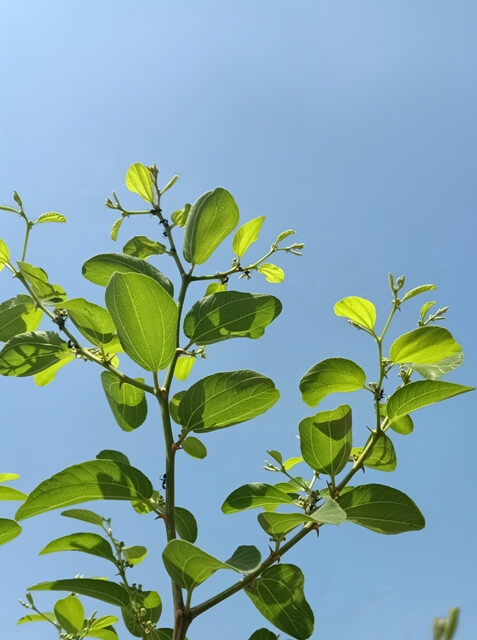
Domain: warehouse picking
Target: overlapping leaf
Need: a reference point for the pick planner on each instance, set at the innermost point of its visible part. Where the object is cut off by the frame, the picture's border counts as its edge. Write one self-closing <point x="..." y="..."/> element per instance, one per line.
<point x="18" y="315"/>
<point x="416" y="395"/>
<point x="257" y="494"/>
<point x="90" y="543"/>
<point x="426" y="345"/>
<point x="37" y="278"/>
<point x="150" y="603"/>
<point x="382" y="456"/>
<point x="94" y="322"/>
<point x="441" y="368"/>
<point x="188" y="565"/>
<point x="127" y="402"/>
<point x="103" y="590"/>
<point x="9" y="529"/>
<point x="29" y="353"/>
<point x="245" y="559"/>
<point x="186" y="524"/>
<point x="331" y="376"/>
<point x="143" y="247"/>
<point x="69" y="613"/>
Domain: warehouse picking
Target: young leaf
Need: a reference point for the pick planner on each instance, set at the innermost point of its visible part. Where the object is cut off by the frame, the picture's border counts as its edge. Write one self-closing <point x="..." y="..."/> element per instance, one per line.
<point x="194" y="447"/>
<point x="94" y="322"/>
<point x="291" y="462"/>
<point x="271" y="272"/>
<point x="179" y="217"/>
<point x="149" y="602"/>
<point x="263" y="634"/>
<point x="426" y="345"/>
<point x="417" y="290"/>
<point x="283" y="235"/>
<point x="230" y="314"/>
<point x="258" y="494"/>
<point x="9" y="530"/>
<point x="215" y="287"/>
<point x="90" y="543"/>
<point x="100" y="268"/>
<point x="92" y="480"/>
<point x="146" y="318"/>
<point x="69" y="613"/>
<point x="183" y="367"/>
<point x="358" y="310"/>
<point x="246" y="235"/>
<point x="85" y="515"/>
<point x="143" y="247"/>
<point x="419" y="394"/>
<point x="127" y="402"/>
<point x="211" y="218"/>
<point x="4" y="254"/>
<point x="245" y="559"/>
<point x="115" y="228"/>
<point x="186" y="524"/>
<point x="37" y="278"/>
<point x="441" y="368"/>
<point x="225" y="399"/>
<point x="381" y="509"/>
<point x="135" y="554"/>
<point x="331" y="376"/>
<point x="188" y="565"/>
<point x="382" y="456"/>
<point x="103" y="622"/>
<point x="8" y="493"/>
<point x="278" y="595"/>
<point x="325" y="440"/>
<point x="103" y="590"/>
<point x="174" y="403"/>
<point x="18" y="315"/>
<point x="6" y="477"/>
<point x="139" y="180"/>
<point x="45" y="616"/>
<point x="50" y="216"/>
<point x="32" y="352"/>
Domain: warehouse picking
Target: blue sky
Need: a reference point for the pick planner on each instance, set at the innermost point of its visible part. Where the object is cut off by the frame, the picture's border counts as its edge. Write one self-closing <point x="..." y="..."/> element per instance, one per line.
<point x="351" y="122"/>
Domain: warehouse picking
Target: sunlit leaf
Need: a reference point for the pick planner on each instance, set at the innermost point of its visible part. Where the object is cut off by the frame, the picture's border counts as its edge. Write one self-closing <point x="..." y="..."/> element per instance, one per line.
<point x="419" y="394"/>
<point x="44" y="616"/>
<point x="258" y="494"/>
<point x="358" y="310"/>
<point x="18" y="315"/>
<point x="263" y="634"/>
<point x="32" y="352"/>
<point x="115" y="228"/>
<point x="90" y="543"/>
<point x="188" y="565"/>
<point x="4" y="254"/>
<point x="426" y="345"/>
<point x="183" y="367"/>
<point x="246" y="235"/>
<point x="48" y="375"/>
<point x="85" y="515"/>
<point x="403" y="425"/>
<point x="417" y="290"/>
<point x="441" y="368"/>
<point x="134" y="554"/>
<point x="278" y="525"/>
<point x="186" y="524"/>
<point x="215" y="287"/>
<point x="37" y="278"/>
<point x="94" y="322"/>
<point x="139" y="180"/>
<point x="50" y="216"/>
<point x="179" y="217"/>
<point x="143" y="247"/>
<point x="113" y="454"/>
<point x="9" y="529"/>
<point x="194" y="447"/>
<point x="70" y="614"/>
<point x="331" y="376"/>
<point x="329" y="512"/>
<point x="6" y="477"/>
<point x="284" y="234"/>
<point x="150" y="603"/>
<point x="382" y="456"/>
<point x="8" y="493"/>
<point x="103" y="590"/>
<point x="271" y="272"/>
<point x="127" y="402"/>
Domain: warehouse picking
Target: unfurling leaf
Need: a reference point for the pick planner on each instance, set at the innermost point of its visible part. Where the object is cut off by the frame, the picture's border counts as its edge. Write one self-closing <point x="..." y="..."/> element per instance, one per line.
<point x="417" y="290"/>
<point x="179" y="217"/>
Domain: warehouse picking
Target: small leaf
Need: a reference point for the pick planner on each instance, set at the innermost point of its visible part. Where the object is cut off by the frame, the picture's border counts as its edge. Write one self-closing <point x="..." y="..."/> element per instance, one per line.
<point x="127" y="402"/>
<point x="358" y="310"/>
<point x="417" y="290"/>
<point x="194" y="447"/>
<point x="69" y="613"/>
<point x="4" y="254"/>
<point x="6" y="477"/>
<point x="419" y="394"/>
<point x="112" y="454"/>
<point x="441" y="368"/>
<point x="150" y="601"/>
<point x="8" y="493"/>
<point x="174" y="403"/>
<point x="258" y="494"/>
<point x="18" y="315"/>
<point x="183" y="367"/>
<point x="179" y="217"/>
<point x="188" y="565"/>
<point x="85" y="515"/>
<point x="134" y="554"/>
<point x="37" y="278"/>
<point x="331" y="376"/>
<point x="246" y="235"/>
<point x="291" y="462"/>
<point x="271" y="272"/>
<point x="381" y="509"/>
<point x="263" y="634"/>
<point x="186" y="524"/>
<point x="425" y="308"/>
<point x="103" y="590"/>
<point x="329" y="512"/>
<point x="215" y="287"/>
<point x="426" y="345"/>
<point x="51" y="216"/>
<point x="45" y="616"/>
<point x="382" y="456"/>
<point x="276" y="455"/>
<point x="90" y="543"/>
<point x="103" y="622"/>
<point x="403" y="425"/>
<point x="139" y="180"/>
<point x="284" y="234"/>
<point x="32" y="352"/>
<point x="9" y="530"/>
<point x="94" y="322"/>
<point x="245" y="559"/>
<point x="143" y="247"/>
<point x="278" y="525"/>
<point x="171" y="183"/>
<point x="107" y="633"/>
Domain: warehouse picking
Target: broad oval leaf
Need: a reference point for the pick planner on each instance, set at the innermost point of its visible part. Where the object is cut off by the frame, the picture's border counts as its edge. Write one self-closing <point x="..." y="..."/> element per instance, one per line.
<point x="263" y="634"/>
<point x="381" y="509"/>
<point x="37" y="278"/>
<point x="113" y="454"/>
<point x="194" y="447"/>
<point x="230" y="314"/>
<point x="18" y="315"/>
<point x="143" y="247"/>
<point x="100" y="268"/>
<point x="94" y="322"/>
<point x="188" y="565"/>
<point x="325" y="440"/>
<point x="9" y="529"/>
<point x="183" y="367"/>
<point x="90" y="543"/>
<point x="426" y="345"/>
<point x="135" y="554"/>
<point x="186" y="524"/>
<point x="331" y="376"/>
<point x="225" y="399"/>
<point x="127" y="402"/>
<point x="146" y="319"/>
<point x="417" y="290"/>
<point x="358" y="310"/>
<point x="69" y="613"/>
<point x="441" y="368"/>
<point x="92" y="480"/>
<point x="211" y="218"/>
<point x="85" y="515"/>
<point x="278" y="595"/>
<point x="245" y="559"/>
<point x="278" y="525"/>
<point x="103" y="590"/>
<point x="246" y="235"/>
<point x="257" y="494"/>
<point x="50" y="216"/>
<point x="32" y="352"/>
<point x="139" y="180"/>
<point x="9" y="493"/>
<point x="382" y="456"/>
<point x="419" y="394"/>
<point x="272" y="272"/>
<point x="150" y="601"/>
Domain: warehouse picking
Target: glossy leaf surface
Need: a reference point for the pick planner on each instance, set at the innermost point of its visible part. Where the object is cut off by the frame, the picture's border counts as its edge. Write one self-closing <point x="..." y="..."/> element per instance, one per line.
<point x="139" y="180"/>
<point x="37" y="278"/>
<point x="32" y="352"/>
<point x="331" y="376"/>
<point x="90" y="543"/>
<point x="127" y="402"/>
<point x="416" y="395"/>
<point x="186" y="524"/>
<point x="188" y="565"/>
<point x="143" y="247"/>
<point x="18" y="315"/>
<point x="426" y="345"/>
<point x="358" y="310"/>
<point x="103" y="590"/>
<point x="9" y="529"/>
<point x="246" y="235"/>
<point x="257" y="494"/>
<point x="70" y="614"/>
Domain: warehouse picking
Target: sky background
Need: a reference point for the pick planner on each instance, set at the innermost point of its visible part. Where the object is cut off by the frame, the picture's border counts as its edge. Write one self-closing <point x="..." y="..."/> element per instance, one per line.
<point x="353" y="123"/>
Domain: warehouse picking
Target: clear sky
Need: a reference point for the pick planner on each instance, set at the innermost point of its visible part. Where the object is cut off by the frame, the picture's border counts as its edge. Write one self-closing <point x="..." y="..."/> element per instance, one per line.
<point x="352" y="122"/>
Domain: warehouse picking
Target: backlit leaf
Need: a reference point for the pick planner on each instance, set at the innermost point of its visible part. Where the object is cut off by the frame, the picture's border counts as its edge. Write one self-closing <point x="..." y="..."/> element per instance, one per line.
<point x="329" y="512"/>
<point x="48" y="375"/>
<point x="186" y="524"/>
<point x="278" y="525"/>
<point x="18" y="315"/>
<point x="382" y="456"/>
<point x="70" y="614"/>
<point x="94" y="322"/>
<point x="51" y="216"/>
<point x="358" y="310"/>
<point x="426" y="345"/>
<point x="417" y="290"/>
<point x="245" y="559"/>
<point x="263" y="634"/>
<point x="419" y="394"/>
<point x="44" y="616"/>
<point x="6" y="477"/>
<point x="403" y="425"/>
<point x="143" y="247"/>
<point x="113" y="454"/>
<point x="246" y="235"/>
<point x="32" y="352"/>
<point x="135" y="554"/>
<point x="37" y="278"/>
<point x="179" y="217"/>
<point x="85" y="515"/>
<point x="90" y="543"/>
<point x="284" y="234"/>
<point x="258" y="494"/>
<point x="103" y="590"/>
<point x="215" y="287"/>
<point x="4" y="254"/>
<point x="9" y="530"/>
<point x="183" y="367"/>
<point x="441" y="368"/>
<point x="115" y="228"/>
<point x="127" y="402"/>
<point x="8" y="493"/>
<point x="271" y="272"/>
<point x="139" y="180"/>
<point x="188" y="565"/>
<point x="194" y="447"/>
<point x="331" y="376"/>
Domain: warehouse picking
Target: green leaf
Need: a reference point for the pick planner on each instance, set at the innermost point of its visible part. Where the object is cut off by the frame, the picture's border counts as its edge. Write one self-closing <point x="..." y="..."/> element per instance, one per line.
<point x="103" y="622"/>
<point x="127" y="402"/>
<point x="91" y="543"/>
<point x="188" y="565"/>
<point x="425" y="308"/>
<point x="278" y="525"/>
<point x="146" y="318"/>
<point x="441" y="368"/>
<point x="381" y="509"/>
<point x="49" y="374"/>
<point x="263" y="634"/>
<point x="37" y="278"/>
<point x="329" y="512"/>
<point x="162" y="634"/>
<point x="85" y="515"/>
<point x="103" y="590"/>
<point x="32" y="352"/>
<point x="358" y="310"/>
<point x="100" y="268"/>
<point x="419" y="394"/>
<point x="278" y="595"/>
<point x="211" y="218"/>
<point x="215" y="287"/>
<point x="331" y="376"/>
<point x="245" y="559"/>
<point x="135" y="554"/>
<point x="18" y="315"/>
<point x="70" y="614"/>
<point x="225" y="399"/>
<point x="246" y="235"/>
<point x="6" y="477"/>
<point x="94" y="322"/>
<point x="382" y="456"/>
<point x="150" y="601"/>
<point x="9" y="530"/>
<point x="4" y="254"/>
<point x="51" y="216"/>
<point x="92" y="480"/>
<point x="186" y="524"/>
<point x="230" y="314"/>
<point x="183" y="367"/>
<point x="276" y="455"/>
<point x="426" y="345"/>
<point x="271" y="272"/>
<point x="139" y="180"/>
<point x="179" y="217"/>
<point x="283" y="235"/>
<point x="174" y="405"/>
<point x="143" y="247"/>
<point x="113" y="454"/>
<point x="403" y="425"/>
<point x="8" y="493"/>
<point x="194" y="447"/>
<point x="292" y="462"/>
<point x="258" y="494"/>
<point x="45" y="616"/>
<point x="115" y="228"/>
<point x="325" y="440"/>
<point x="417" y="290"/>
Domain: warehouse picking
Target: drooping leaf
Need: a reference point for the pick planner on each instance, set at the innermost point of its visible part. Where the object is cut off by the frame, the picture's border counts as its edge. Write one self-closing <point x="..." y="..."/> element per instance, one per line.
<point x="94" y="322"/>
<point x="230" y="314"/>
<point x="9" y="529"/>
<point x="85" y="515"/>
<point x="278" y="525"/>
<point x="188" y="565"/>
<point x="50" y="216"/>
<point x="100" y="268"/>
<point x="419" y="394"/>
<point x="263" y="634"/>
<point x="9" y="493"/>
<point x="179" y="217"/>
<point x="90" y="543"/>
<point x="246" y="235"/>
<point x="143" y="247"/>
<point x="211" y="218"/>
<point x="194" y="447"/>
<point x="37" y="278"/>
<point x="32" y="352"/>
<point x="278" y="595"/>
<point x="245" y="559"/>
<point x="382" y="456"/>
<point x="186" y="524"/>
<point x="441" y="368"/>
<point x="103" y="590"/>
<point x="358" y="310"/>
<point x="113" y="454"/>
<point x="6" y="477"/>
<point x="257" y="494"/>
<point x="146" y="318"/>
<point x="381" y="509"/>
<point x="44" y="616"/>
<point x="139" y="180"/>
<point x="331" y="376"/>
<point x="135" y="554"/>
<point x="272" y="272"/>
<point x="183" y="367"/>
<point x="18" y="315"/>
<point x="127" y="402"/>
<point x="417" y="290"/>
<point x="325" y="440"/>
<point x="49" y="374"/>
<point x="70" y="614"/>
<point x="92" y="480"/>
<point x="225" y="399"/>
<point x="148" y="600"/>
<point x="426" y="345"/>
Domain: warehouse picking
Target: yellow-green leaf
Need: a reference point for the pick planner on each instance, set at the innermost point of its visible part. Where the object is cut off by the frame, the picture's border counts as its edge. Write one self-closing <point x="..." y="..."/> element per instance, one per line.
<point x="139" y="180"/>
<point x="246" y="235"/>
<point x="358" y="310"/>
<point x="271" y="272"/>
